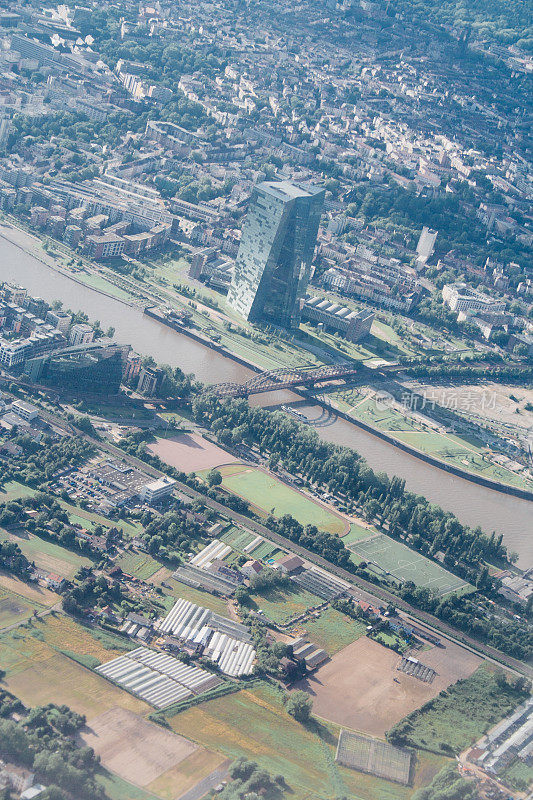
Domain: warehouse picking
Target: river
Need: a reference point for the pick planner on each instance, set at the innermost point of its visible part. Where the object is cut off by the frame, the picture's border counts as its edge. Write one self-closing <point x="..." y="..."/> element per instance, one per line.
<point x="473" y="504"/>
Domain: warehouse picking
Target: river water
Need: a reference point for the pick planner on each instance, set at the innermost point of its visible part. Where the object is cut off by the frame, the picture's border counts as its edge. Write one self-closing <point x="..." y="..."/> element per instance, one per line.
<point x="473" y="504"/>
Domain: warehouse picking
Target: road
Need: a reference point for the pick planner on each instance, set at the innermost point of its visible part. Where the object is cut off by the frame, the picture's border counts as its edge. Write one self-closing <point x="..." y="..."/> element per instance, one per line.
<point x="367" y="591"/>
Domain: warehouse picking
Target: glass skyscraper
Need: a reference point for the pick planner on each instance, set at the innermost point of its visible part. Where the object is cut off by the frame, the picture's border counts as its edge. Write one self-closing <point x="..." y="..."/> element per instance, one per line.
<point x="273" y="264"/>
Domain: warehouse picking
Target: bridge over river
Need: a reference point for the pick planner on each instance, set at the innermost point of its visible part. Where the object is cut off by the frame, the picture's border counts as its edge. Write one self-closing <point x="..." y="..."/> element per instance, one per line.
<point x="286" y="378"/>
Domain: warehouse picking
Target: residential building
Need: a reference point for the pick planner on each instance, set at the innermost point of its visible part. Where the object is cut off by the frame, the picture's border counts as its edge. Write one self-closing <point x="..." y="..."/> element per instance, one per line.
<point x="81" y="333"/>
<point x="467" y="301"/>
<point x="273" y="263"/>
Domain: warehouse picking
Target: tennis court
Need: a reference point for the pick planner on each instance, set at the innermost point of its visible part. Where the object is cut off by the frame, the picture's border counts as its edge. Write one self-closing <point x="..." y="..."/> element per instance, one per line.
<point x="394" y="558"/>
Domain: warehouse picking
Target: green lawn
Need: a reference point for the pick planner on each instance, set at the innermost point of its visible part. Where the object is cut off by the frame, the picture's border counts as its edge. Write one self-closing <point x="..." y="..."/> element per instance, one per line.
<point x="12" y="490"/>
<point x="48" y="555"/>
<point x="280" y="604"/>
<point x="268" y="494"/>
<point x="332" y="630"/>
<point x="98" y="282"/>
<point x="456" y="718"/>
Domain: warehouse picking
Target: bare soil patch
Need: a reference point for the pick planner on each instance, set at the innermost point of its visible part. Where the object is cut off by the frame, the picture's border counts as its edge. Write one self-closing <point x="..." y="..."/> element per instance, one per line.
<point x="137" y="750"/>
<point x="188" y="452"/>
<point x="356" y="688"/>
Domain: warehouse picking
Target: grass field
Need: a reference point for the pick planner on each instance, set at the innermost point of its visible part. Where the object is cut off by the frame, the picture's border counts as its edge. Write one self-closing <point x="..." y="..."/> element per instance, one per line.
<point x="14" y="608"/>
<point x="280" y="604"/>
<point x="12" y="490"/>
<point x="48" y="555"/>
<point x="140" y="565"/>
<point x="269" y="495"/>
<point x="253" y="723"/>
<point x="456" y="719"/>
<point x="356" y="533"/>
<point x="404" y="564"/>
<point x="332" y="630"/>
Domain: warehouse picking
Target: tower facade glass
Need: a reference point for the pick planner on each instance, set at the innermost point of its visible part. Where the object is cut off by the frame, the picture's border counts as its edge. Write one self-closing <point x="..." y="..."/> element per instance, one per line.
<point x="273" y="264"/>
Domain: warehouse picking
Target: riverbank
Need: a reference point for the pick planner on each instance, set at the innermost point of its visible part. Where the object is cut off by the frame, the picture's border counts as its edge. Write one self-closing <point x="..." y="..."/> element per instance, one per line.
<point x="473" y="504"/>
<point x="480" y="480"/>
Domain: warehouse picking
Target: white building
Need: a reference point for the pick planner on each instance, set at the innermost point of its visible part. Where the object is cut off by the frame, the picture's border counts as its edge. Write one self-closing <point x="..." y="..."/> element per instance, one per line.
<point x="156" y="490"/>
<point x="81" y="333"/>
<point x="24" y="410"/>
<point x="426" y="244"/>
<point x="468" y="301"/>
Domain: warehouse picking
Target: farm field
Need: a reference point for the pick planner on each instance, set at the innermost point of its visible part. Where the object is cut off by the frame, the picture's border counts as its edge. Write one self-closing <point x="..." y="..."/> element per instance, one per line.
<point x="14" y="608"/>
<point x="395" y="558"/>
<point x="140" y="565"/>
<point x="119" y="789"/>
<point x="253" y="723"/>
<point x="356" y="688"/>
<point x="188" y="452"/>
<point x="332" y="630"/>
<point x="237" y="538"/>
<point x="29" y="591"/>
<point x="268" y="494"/>
<point x="462" y="716"/>
<point x="180" y="779"/>
<point x="48" y="555"/>
<point x="281" y="603"/>
<point x="134" y="748"/>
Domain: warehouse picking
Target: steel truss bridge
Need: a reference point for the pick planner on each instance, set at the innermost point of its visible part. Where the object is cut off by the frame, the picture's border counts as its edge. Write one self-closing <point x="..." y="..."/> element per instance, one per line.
<point x="287" y="378"/>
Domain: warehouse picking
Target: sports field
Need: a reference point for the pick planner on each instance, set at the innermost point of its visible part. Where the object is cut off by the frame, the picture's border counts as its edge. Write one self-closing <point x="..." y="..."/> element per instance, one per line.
<point x="268" y="495"/>
<point x="396" y="559"/>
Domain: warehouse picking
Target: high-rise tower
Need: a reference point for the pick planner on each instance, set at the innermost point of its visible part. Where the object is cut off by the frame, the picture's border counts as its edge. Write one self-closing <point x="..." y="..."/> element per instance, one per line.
<point x="273" y="264"/>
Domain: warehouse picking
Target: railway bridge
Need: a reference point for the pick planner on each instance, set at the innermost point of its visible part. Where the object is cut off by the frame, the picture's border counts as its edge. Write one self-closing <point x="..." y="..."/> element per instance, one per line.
<point x="286" y="378"/>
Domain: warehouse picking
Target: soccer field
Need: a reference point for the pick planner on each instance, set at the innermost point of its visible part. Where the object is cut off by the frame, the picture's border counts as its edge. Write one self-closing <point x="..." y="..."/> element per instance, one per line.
<point x="404" y="564"/>
<point x="268" y="494"/>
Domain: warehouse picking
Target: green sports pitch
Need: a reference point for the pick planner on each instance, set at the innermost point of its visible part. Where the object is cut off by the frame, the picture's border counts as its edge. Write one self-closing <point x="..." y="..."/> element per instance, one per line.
<point x="394" y="558"/>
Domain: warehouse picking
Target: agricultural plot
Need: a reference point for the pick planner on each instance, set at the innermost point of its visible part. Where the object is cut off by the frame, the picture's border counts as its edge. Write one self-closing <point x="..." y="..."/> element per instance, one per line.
<point x="174" y="590"/>
<point x="374" y="756"/>
<point x="48" y="555"/>
<point x="280" y="604"/>
<point x="331" y="630"/>
<point x="14" y="608"/>
<point x="269" y="495"/>
<point x="266" y="551"/>
<point x="396" y="559"/>
<point x="130" y="746"/>
<point x="237" y="538"/>
<point x="140" y="565"/>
